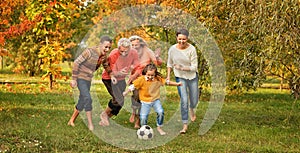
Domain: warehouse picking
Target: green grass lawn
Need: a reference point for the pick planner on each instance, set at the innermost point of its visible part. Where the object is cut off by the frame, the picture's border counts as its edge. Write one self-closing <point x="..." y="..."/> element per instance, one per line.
<point x="34" y="119"/>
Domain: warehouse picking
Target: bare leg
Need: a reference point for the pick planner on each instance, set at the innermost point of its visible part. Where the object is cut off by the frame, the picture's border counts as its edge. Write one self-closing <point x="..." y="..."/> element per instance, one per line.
<point x="193" y="115"/>
<point x="137" y="122"/>
<point x="73" y="118"/>
<point x="133" y="114"/>
<point x="90" y="122"/>
<point x="104" y="116"/>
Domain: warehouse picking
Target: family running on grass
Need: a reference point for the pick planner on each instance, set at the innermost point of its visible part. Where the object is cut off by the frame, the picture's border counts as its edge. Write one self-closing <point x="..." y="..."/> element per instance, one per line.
<point x="136" y="62"/>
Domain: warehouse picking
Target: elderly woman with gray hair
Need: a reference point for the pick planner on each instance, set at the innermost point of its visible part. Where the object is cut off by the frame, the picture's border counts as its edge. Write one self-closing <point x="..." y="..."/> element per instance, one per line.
<point x="122" y="61"/>
<point x="146" y="56"/>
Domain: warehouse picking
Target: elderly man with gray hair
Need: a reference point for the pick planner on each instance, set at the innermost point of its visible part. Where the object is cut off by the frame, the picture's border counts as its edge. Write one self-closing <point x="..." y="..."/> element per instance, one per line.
<point x="122" y="61"/>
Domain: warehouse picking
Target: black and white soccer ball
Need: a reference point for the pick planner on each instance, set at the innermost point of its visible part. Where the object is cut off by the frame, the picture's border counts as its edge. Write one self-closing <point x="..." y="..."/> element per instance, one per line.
<point x="145" y="132"/>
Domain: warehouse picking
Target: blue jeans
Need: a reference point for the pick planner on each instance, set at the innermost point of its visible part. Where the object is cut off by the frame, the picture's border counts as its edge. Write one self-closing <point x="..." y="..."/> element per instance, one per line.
<point x="145" y="110"/>
<point x="188" y="92"/>
<point x="85" y="100"/>
<point x="177" y="80"/>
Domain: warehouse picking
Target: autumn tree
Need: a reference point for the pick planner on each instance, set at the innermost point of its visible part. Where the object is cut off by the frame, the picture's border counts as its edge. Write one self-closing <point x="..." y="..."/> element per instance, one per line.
<point x="280" y="25"/>
<point x="51" y="34"/>
<point x="42" y="47"/>
<point x="13" y="23"/>
<point x="257" y="38"/>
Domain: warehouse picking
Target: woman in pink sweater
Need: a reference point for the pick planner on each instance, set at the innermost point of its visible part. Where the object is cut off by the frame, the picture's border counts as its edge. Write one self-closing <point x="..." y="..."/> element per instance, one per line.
<point x="146" y="56"/>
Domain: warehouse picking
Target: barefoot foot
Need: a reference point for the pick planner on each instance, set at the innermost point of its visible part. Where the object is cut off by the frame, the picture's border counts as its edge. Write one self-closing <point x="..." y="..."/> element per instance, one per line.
<point x="193" y="118"/>
<point x="137" y="123"/>
<point x="91" y="127"/>
<point x="131" y="119"/>
<point x="137" y="126"/>
<point x="184" y="129"/>
<point x="193" y="115"/>
<point x="160" y="131"/>
<point x="71" y="123"/>
<point x="104" y="119"/>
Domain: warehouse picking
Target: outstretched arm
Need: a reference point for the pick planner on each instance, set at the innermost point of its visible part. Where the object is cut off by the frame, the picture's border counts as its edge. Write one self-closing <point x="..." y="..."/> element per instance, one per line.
<point x="172" y="83"/>
<point x="130" y="89"/>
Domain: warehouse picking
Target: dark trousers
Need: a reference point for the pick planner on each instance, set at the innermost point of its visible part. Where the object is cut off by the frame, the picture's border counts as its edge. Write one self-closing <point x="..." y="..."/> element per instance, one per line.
<point x="116" y="92"/>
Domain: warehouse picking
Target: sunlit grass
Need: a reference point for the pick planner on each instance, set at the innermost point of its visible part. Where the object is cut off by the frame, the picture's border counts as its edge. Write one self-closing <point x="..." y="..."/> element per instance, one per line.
<point x="34" y="119"/>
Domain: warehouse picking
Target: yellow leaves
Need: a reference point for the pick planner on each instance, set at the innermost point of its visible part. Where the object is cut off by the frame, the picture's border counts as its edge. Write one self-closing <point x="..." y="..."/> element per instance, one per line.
<point x="216" y="19"/>
<point x="52" y="55"/>
<point x="77" y="15"/>
<point x="70" y="45"/>
<point x="4" y="52"/>
<point x="201" y="18"/>
<point x="8" y="86"/>
<point x="2" y="40"/>
<point x="56" y="44"/>
<point x="7" y="11"/>
<point x="42" y="89"/>
<point x="96" y="19"/>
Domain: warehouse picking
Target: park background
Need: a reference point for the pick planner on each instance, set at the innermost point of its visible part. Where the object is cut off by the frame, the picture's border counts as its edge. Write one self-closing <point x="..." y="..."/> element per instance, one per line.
<point x="259" y="41"/>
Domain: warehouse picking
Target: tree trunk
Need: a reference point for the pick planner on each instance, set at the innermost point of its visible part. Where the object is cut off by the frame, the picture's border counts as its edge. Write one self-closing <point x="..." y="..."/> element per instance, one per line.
<point x="295" y="88"/>
<point x="50" y="81"/>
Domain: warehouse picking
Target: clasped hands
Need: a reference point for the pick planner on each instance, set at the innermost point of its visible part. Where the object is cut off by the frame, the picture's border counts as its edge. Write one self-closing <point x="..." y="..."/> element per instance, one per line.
<point x="178" y="67"/>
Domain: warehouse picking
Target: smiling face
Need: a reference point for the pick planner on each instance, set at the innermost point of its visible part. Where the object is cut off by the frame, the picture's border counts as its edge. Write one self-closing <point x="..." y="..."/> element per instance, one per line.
<point x="150" y="74"/>
<point x="182" y="41"/>
<point x="105" y="47"/>
<point x="124" y="50"/>
<point x="136" y="44"/>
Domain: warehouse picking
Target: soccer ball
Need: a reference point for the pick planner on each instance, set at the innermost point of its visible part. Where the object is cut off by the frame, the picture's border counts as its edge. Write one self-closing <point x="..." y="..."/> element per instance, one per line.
<point x="145" y="132"/>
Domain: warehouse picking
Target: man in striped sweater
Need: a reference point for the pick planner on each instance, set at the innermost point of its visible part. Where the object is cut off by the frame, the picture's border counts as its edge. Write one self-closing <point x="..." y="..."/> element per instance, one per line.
<point x="84" y="67"/>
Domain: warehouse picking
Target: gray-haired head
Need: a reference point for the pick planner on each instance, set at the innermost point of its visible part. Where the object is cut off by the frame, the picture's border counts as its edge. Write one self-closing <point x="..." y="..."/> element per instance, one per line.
<point x="141" y="40"/>
<point x="124" y="42"/>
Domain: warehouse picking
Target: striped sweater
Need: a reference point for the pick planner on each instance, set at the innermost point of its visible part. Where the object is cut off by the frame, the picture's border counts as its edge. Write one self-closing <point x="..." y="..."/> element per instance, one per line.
<point x="87" y="63"/>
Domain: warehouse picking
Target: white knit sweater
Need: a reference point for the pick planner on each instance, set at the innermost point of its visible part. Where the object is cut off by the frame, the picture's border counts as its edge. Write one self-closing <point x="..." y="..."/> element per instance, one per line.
<point x="187" y="58"/>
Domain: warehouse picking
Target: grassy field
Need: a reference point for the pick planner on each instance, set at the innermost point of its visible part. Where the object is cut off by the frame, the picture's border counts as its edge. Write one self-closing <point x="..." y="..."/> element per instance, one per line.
<point x="34" y="119"/>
